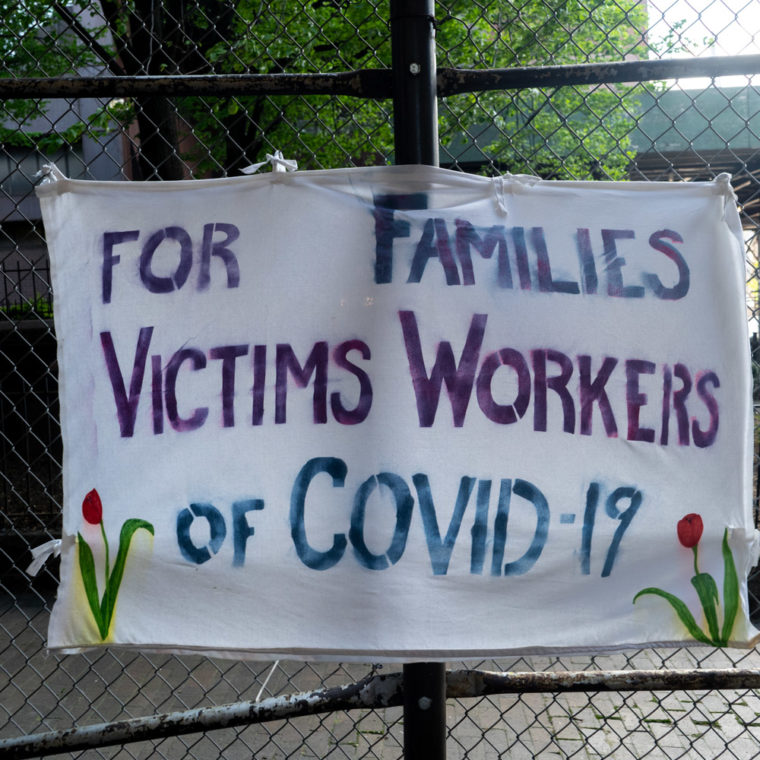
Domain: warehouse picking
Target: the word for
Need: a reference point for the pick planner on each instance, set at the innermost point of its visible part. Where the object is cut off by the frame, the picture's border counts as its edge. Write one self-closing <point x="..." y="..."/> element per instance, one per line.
<point x="171" y="243"/>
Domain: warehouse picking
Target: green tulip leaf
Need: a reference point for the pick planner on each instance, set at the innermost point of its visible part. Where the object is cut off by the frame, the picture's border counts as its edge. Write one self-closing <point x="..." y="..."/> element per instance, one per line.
<point x="112" y="588"/>
<point x="707" y="590"/>
<point x="730" y="591"/>
<point x="681" y="610"/>
<point x="87" y="569"/>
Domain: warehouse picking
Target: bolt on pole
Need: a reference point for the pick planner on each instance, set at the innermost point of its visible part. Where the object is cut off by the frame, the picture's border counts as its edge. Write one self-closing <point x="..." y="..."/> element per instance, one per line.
<point x="415" y="124"/>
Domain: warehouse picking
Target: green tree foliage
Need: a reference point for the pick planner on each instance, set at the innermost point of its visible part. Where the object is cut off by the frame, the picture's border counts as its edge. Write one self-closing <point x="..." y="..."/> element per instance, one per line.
<point x="285" y="37"/>
<point x="32" y="45"/>
<point x="565" y="132"/>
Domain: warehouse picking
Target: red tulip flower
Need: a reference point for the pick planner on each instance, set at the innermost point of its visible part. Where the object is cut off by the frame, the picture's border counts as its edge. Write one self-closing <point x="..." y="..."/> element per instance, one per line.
<point x="92" y="508"/>
<point x="690" y="530"/>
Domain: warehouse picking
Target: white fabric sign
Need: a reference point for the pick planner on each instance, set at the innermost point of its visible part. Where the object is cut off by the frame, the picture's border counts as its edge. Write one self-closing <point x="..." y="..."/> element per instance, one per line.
<point x="401" y="413"/>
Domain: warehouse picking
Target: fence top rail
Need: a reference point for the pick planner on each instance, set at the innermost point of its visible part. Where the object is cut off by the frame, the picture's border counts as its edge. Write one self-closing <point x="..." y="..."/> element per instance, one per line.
<point x="372" y="692"/>
<point x="365" y="83"/>
<point x="456" y="81"/>
<point x="377" y="84"/>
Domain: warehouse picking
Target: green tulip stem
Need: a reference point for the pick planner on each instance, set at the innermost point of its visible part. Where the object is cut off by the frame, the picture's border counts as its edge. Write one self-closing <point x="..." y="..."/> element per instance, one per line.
<point x="105" y="541"/>
<point x="695" y="549"/>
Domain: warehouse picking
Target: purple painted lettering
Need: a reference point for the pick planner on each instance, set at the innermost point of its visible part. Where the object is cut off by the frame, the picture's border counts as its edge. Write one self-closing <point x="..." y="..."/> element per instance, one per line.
<point x="259" y="383"/>
<point x="504" y="414"/>
<point x="441" y="250"/>
<point x="679" y="403"/>
<point x="316" y="364"/>
<point x="219" y="249"/>
<point x="153" y="282"/>
<point x="703" y="438"/>
<point x="635" y="398"/>
<point x="459" y="379"/>
<point x="361" y="410"/>
<point x="228" y="355"/>
<point x="126" y="406"/>
<point x="197" y="359"/>
<point x="557" y="383"/>
<point x="681" y="288"/>
<point x="594" y="391"/>
<point x="110" y="239"/>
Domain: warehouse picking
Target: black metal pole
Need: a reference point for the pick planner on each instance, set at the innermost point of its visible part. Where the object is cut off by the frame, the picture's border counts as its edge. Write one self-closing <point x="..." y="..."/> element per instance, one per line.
<point x="415" y="124"/>
<point x="415" y="104"/>
<point x="425" y="711"/>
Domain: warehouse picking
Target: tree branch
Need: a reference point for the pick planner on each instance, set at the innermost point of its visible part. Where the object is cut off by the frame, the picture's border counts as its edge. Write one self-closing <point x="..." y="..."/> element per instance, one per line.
<point x="88" y="39"/>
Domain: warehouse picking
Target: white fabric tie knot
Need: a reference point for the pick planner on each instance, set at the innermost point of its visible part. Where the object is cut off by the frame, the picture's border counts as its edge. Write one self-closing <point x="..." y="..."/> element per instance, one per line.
<point x="279" y="164"/>
<point x="49" y="173"/>
<point x="42" y="553"/>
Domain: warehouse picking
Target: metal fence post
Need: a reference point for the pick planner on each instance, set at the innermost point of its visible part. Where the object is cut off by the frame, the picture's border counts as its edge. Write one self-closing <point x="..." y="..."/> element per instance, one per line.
<point x="425" y="711"/>
<point x="415" y="105"/>
<point x="415" y="123"/>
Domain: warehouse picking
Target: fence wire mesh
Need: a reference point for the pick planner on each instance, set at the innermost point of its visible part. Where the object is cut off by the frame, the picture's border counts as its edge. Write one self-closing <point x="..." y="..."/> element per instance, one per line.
<point x="665" y="130"/>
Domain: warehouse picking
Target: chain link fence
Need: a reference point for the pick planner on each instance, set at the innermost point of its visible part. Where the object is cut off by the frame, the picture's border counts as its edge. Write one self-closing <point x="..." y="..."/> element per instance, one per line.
<point x="688" y="129"/>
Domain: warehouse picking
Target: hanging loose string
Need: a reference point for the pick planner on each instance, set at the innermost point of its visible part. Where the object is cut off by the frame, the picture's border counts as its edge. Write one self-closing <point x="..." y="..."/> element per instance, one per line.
<point x="266" y="680"/>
